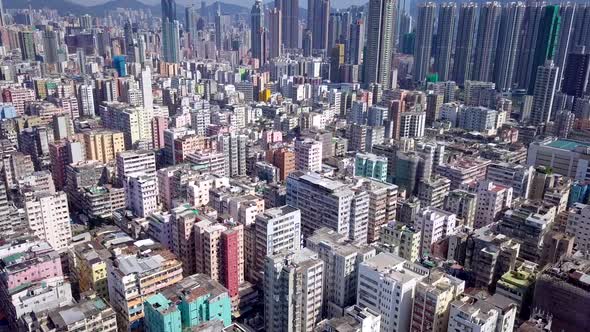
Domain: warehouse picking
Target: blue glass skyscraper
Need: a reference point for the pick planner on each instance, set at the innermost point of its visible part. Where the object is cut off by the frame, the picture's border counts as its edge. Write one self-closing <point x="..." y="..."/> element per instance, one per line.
<point x="119" y="63"/>
<point x="170" y="32"/>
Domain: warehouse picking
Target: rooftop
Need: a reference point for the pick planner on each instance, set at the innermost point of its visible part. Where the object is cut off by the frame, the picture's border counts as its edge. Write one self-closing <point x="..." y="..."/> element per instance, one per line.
<point x="566" y="144"/>
<point x="395" y="267"/>
<point x="85" y="309"/>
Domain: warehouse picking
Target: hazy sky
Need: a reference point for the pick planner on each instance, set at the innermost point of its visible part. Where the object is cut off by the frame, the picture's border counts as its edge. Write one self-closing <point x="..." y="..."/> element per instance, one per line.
<point x="246" y="3"/>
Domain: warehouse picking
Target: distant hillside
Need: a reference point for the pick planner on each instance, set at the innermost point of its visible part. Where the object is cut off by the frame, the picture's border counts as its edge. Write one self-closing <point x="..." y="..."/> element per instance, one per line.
<point x="66" y="7"/>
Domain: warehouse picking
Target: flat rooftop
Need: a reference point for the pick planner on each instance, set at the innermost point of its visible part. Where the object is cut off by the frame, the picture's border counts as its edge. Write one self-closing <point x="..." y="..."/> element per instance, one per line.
<point x="566" y="144"/>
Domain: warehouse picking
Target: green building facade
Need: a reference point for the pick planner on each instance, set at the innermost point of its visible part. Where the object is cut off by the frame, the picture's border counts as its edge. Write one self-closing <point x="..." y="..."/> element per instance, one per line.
<point x="194" y="300"/>
<point x="371" y="166"/>
<point x="161" y="315"/>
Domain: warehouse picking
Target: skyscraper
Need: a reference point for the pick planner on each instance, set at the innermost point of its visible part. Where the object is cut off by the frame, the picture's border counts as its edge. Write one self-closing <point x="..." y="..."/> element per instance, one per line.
<point x="50" y="46"/>
<point x="508" y="45"/>
<point x="293" y="291"/>
<point x="130" y="45"/>
<point x="275" y="36"/>
<point x="486" y="41"/>
<point x="169" y="10"/>
<point x="1" y="14"/>
<point x="379" y="42"/>
<point x="119" y="63"/>
<point x="544" y="92"/>
<point x="146" y="90"/>
<point x="444" y="36"/>
<point x="356" y="42"/>
<point x="191" y="23"/>
<point x="531" y="20"/>
<point x="257" y="34"/>
<point x="86" y="100"/>
<point x="567" y="12"/>
<point x="582" y="26"/>
<point x="319" y="28"/>
<point x="576" y="73"/>
<point x="289" y="22"/>
<point x="170" y="32"/>
<point x="465" y="40"/>
<point x="546" y="41"/>
<point x="26" y="43"/>
<point x="423" y="46"/>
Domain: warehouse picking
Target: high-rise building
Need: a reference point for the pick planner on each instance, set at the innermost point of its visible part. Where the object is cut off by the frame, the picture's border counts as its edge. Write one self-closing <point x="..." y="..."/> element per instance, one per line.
<point x="509" y="42"/>
<point x="356" y="42"/>
<point x="170" y="32"/>
<point x="119" y="63"/>
<point x="544" y="92"/>
<point x="191" y="22"/>
<point x="103" y="145"/>
<point x="48" y="217"/>
<point x="2" y="23"/>
<point x="311" y="193"/>
<point x="142" y="194"/>
<point x="386" y="284"/>
<point x="134" y="122"/>
<point x="578" y="223"/>
<point x="516" y="176"/>
<point x="432" y="192"/>
<point x="434" y="225"/>
<point x="319" y="26"/>
<point x="45" y="287"/>
<point x="50" y="46"/>
<point x="434" y="103"/>
<point x="380" y="30"/>
<point x="370" y="166"/>
<point x="423" y="46"/>
<point x="135" y="163"/>
<point x="557" y="288"/>
<point x="341" y="259"/>
<point x="275" y="230"/>
<point x="565" y="41"/>
<point x="257" y="32"/>
<point x="412" y="124"/>
<point x="576" y="74"/>
<point x="494" y="313"/>
<point x="220" y="254"/>
<point x="465" y="42"/>
<point x="383" y="199"/>
<point x="26" y="42"/>
<point x="275" y="36"/>
<point x="532" y="20"/>
<point x="233" y="148"/>
<point x="432" y="301"/>
<point x="463" y="205"/>
<point x="86" y="100"/>
<point x="402" y="240"/>
<point x="492" y="199"/>
<point x="528" y="225"/>
<point x="546" y="42"/>
<point x="134" y="278"/>
<point x="445" y="35"/>
<point x="293" y="291"/>
<point x="486" y="41"/>
<point x="289" y="10"/>
<point x="168" y="310"/>
<point x="146" y="90"/>
<point x="308" y="155"/>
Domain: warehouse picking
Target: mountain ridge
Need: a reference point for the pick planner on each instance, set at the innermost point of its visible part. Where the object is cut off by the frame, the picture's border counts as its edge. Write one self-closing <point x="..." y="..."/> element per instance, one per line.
<point x="65" y="6"/>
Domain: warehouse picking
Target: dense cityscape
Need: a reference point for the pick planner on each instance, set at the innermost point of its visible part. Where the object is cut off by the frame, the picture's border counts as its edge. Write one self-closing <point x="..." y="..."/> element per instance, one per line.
<point x="391" y="166"/>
